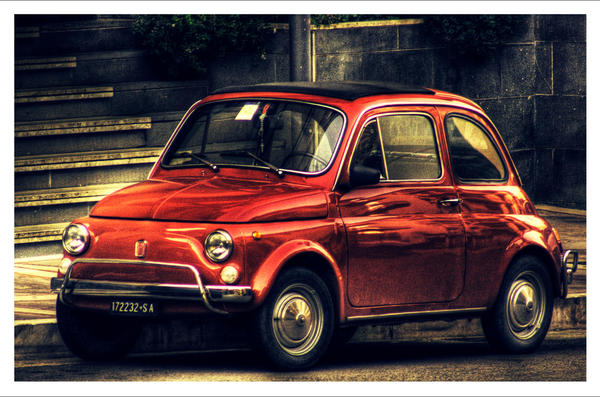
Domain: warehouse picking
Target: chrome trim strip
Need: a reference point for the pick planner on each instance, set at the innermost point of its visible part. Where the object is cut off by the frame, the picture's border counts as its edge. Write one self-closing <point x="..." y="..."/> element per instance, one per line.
<point x="233" y="294"/>
<point x="217" y="293"/>
<point x="419" y="313"/>
<point x="568" y="271"/>
<point x="199" y="287"/>
<point x="386" y="177"/>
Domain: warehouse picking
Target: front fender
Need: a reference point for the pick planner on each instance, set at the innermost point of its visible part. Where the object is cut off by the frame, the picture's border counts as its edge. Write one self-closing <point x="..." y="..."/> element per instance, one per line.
<point x="263" y="280"/>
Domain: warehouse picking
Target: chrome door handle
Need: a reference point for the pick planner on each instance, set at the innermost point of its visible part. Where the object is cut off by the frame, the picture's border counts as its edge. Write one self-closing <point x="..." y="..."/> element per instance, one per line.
<point x="450" y="202"/>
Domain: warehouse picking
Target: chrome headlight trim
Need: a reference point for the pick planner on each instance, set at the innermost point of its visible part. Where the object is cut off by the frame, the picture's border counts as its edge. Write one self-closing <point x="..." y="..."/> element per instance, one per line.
<point x="76" y="239"/>
<point x="218" y="246"/>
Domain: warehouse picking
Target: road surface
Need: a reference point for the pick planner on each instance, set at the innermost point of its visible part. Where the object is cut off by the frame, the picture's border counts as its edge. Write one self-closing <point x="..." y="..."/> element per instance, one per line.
<point x="562" y="357"/>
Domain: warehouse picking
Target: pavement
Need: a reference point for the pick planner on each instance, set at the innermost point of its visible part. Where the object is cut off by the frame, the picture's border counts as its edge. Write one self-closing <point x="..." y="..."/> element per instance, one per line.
<point x="35" y="320"/>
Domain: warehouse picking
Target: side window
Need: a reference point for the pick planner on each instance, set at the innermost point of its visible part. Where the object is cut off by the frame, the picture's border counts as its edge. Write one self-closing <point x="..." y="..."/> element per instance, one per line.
<point x="473" y="154"/>
<point x="409" y="147"/>
<point x="368" y="150"/>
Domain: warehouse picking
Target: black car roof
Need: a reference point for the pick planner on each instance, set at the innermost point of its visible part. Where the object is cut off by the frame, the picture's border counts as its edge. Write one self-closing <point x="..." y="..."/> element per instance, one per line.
<point x="348" y="90"/>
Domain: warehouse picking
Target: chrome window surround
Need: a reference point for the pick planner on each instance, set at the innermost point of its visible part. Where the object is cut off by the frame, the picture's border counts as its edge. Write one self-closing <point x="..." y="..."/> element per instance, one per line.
<point x="433" y="102"/>
<point x="198" y="291"/>
<point x="199" y="104"/>
<point x="401" y="113"/>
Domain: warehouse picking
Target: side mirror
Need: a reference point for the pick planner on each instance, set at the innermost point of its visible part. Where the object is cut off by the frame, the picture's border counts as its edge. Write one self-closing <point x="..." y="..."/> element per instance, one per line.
<point x="361" y="175"/>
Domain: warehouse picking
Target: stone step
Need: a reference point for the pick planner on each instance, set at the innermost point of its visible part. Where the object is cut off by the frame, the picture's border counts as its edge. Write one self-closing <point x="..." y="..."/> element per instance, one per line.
<point x="80" y="126"/>
<point x="39" y="233"/>
<point x="71" y="195"/>
<point x="122" y="99"/>
<point x="28" y="64"/>
<point x="63" y="37"/>
<point x="27" y="32"/>
<point x="50" y="206"/>
<point x="92" y="193"/>
<point x="86" y="159"/>
<point x="94" y="133"/>
<point x="86" y="168"/>
<point x="106" y="67"/>
<point x="38" y="240"/>
<point x="62" y="94"/>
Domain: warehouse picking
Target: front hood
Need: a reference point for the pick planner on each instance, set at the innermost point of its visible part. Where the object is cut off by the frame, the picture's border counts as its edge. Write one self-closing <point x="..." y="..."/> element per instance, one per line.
<point x="217" y="199"/>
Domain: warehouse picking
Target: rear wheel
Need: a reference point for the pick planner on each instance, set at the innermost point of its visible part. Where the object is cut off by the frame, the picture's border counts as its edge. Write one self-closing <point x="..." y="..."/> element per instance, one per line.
<point x="96" y="336"/>
<point x="295" y="324"/>
<point x="521" y="317"/>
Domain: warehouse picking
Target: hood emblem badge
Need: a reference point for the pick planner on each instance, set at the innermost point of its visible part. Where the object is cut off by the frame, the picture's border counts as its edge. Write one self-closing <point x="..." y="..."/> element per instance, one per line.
<point x="140" y="248"/>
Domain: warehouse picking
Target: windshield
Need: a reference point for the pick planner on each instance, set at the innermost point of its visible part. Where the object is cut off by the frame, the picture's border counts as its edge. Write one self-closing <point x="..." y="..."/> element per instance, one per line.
<point x="281" y="135"/>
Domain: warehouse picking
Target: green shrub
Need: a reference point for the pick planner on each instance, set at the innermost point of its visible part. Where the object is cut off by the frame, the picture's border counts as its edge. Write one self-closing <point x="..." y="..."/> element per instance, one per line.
<point x="330" y="19"/>
<point x="183" y="45"/>
<point x="474" y="36"/>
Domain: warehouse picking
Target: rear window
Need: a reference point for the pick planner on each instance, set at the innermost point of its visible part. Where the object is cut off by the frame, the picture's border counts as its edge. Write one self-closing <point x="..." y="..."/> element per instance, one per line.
<point x="474" y="156"/>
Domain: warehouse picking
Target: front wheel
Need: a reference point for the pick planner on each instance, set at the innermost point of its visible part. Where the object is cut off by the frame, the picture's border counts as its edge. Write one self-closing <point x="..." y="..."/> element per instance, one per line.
<point x="95" y="336"/>
<point x="295" y="324"/>
<point x="521" y="317"/>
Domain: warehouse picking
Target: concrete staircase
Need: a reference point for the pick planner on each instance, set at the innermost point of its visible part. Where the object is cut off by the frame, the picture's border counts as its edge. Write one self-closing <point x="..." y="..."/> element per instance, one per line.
<point x="91" y="116"/>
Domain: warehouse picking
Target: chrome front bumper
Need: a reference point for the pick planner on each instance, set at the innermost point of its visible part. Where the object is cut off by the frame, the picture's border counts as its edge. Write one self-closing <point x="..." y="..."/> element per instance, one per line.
<point x="570" y="259"/>
<point x="208" y="294"/>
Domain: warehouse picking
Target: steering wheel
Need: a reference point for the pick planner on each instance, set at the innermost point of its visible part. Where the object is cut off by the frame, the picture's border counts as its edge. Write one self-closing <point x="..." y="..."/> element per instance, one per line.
<point x="303" y="154"/>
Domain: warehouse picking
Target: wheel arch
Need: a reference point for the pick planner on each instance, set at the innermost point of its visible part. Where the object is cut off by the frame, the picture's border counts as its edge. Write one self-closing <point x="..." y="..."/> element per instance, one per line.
<point x="319" y="265"/>
<point x="301" y="254"/>
<point x="544" y="256"/>
<point x="531" y="249"/>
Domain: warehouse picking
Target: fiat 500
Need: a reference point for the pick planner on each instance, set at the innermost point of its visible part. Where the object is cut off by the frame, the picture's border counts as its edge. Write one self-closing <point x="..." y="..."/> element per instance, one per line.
<point x="311" y="209"/>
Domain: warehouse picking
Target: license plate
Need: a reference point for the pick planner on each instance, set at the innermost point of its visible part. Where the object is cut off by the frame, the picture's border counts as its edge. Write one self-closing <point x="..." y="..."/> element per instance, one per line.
<point x="133" y="308"/>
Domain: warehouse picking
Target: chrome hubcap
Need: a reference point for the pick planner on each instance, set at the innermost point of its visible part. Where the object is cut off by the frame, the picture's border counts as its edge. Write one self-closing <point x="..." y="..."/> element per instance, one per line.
<point x="298" y="319"/>
<point x="526" y="303"/>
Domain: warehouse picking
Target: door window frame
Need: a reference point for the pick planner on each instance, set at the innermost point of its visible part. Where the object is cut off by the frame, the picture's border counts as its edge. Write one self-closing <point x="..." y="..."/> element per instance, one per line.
<point x="432" y="120"/>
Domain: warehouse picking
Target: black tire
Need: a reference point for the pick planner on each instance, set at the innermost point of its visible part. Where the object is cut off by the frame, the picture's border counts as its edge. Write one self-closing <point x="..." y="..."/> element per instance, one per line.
<point x="521" y="316"/>
<point x="96" y="336"/>
<point x="302" y="300"/>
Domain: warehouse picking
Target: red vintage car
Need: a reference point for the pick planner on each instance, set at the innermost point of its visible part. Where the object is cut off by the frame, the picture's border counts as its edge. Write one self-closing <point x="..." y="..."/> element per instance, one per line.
<point x="313" y="208"/>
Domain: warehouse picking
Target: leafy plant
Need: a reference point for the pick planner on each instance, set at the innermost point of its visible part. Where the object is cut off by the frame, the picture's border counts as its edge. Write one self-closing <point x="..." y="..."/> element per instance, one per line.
<point x="183" y="45"/>
<point x="330" y="19"/>
<point x="475" y="36"/>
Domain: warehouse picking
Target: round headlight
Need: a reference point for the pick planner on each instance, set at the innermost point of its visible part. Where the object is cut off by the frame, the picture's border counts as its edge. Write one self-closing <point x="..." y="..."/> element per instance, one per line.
<point x="76" y="239"/>
<point x="218" y="246"/>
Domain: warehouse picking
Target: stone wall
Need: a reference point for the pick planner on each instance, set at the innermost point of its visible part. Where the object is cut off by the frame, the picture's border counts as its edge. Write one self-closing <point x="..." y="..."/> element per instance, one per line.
<point x="533" y="87"/>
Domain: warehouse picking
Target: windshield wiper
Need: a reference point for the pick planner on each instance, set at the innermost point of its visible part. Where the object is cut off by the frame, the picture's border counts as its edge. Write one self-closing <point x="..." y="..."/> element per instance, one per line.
<point x="198" y="157"/>
<point x="245" y="153"/>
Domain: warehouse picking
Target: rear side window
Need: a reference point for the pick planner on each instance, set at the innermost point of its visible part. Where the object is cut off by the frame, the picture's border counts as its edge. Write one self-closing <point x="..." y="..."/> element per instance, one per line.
<point x="474" y="155"/>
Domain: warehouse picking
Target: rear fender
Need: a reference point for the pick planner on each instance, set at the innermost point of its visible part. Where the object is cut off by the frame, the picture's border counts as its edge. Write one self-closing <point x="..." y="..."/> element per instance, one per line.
<point x="541" y="244"/>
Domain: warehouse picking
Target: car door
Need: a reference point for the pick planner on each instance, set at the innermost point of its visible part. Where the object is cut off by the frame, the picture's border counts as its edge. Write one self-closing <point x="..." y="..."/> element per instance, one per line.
<point x="490" y="197"/>
<point x="405" y="237"/>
